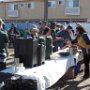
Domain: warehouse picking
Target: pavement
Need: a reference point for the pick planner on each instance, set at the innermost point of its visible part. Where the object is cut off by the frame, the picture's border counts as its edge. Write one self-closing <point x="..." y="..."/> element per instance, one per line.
<point x="78" y="83"/>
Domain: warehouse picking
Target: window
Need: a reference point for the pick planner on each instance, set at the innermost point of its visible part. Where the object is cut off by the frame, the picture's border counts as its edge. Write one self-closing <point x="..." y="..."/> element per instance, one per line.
<point x="73" y="3"/>
<point x="61" y="2"/>
<point x="31" y="5"/>
<point x="16" y="7"/>
<point x="76" y="3"/>
<point x="51" y="3"/>
<point x="13" y="7"/>
<point x="73" y="7"/>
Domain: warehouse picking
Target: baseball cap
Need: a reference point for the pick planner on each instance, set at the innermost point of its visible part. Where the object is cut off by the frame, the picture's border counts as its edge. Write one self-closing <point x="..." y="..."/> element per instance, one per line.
<point x="35" y="29"/>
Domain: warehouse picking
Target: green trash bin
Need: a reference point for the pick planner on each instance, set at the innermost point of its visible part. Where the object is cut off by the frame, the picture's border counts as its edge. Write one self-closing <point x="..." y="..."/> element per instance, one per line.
<point x="49" y="48"/>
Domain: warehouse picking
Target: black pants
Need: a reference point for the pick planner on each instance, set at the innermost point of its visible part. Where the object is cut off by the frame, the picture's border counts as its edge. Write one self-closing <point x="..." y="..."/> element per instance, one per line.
<point x="86" y="64"/>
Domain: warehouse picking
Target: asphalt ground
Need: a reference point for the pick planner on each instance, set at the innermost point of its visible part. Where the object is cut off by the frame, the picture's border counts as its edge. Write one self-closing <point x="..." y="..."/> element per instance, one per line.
<point x="78" y="83"/>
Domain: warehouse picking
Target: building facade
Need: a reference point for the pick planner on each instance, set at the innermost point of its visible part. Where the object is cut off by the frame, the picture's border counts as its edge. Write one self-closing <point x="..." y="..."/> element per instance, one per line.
<point x="33" y="10"/>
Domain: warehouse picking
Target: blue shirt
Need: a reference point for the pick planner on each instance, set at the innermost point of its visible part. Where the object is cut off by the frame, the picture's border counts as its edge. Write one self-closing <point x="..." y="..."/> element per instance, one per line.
<point x="63" y="34"/>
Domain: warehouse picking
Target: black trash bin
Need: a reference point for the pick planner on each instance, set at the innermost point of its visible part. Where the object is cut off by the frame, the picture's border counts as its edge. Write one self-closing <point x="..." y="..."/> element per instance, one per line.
<point x="26" y="51"/>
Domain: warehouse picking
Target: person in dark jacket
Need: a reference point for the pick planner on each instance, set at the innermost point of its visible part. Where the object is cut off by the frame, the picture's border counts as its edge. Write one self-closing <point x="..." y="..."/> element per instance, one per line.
<point x="84" y="42"/>
<point x="13" y="33"/>
<point x="3" y="46"/>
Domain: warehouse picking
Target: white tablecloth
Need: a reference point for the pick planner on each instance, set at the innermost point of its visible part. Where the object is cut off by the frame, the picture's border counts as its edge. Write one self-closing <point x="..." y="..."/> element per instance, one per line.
<point x="49" y="73"/>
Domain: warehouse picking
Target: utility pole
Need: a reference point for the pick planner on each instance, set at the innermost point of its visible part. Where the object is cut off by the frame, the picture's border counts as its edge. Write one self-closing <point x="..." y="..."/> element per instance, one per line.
<point x="45" y="10"/>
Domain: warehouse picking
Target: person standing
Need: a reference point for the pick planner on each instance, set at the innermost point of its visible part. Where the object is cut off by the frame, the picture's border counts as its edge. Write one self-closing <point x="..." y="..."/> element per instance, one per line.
<point x="34" y="32"/>
<point x="6" y="32"/>
<point x="84" y="43"/>
<point x="13" y="33"/>
<point x="42" y="26"/>
<point x="3" y="46"/>
<point x="49" y="42"/>
<point x="62" y="36"/>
